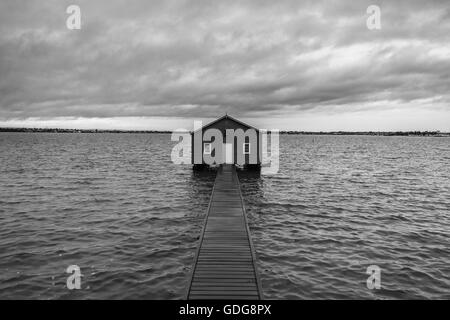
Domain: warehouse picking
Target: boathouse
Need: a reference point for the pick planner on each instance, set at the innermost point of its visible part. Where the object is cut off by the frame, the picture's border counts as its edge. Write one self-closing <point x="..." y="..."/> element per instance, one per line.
<point x="226" y="140"/>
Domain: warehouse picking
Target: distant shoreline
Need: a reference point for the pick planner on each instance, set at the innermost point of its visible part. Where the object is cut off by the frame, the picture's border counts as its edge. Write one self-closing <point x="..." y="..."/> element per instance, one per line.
<point x="343" y="133"/>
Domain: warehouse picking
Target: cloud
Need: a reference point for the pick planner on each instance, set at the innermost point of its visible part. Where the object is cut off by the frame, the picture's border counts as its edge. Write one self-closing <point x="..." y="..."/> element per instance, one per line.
<point x="199" y="58"/>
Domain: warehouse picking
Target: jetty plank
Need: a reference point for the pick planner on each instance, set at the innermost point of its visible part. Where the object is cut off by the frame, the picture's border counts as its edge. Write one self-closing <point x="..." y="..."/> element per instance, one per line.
<point x="225" y="266"/>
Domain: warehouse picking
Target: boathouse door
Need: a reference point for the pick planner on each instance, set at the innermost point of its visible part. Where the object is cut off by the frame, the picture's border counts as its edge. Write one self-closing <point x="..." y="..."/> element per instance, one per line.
<point x="228" y="148"/>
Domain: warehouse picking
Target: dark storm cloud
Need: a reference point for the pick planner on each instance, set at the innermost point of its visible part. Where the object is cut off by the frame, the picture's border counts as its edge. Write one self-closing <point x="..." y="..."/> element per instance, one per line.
<point x="197" y="58"/>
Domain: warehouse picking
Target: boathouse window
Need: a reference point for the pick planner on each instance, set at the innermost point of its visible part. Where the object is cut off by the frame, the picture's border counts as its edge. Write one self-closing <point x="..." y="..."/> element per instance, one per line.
<point x="207" y="148"/>
<point x="246" y="148"/>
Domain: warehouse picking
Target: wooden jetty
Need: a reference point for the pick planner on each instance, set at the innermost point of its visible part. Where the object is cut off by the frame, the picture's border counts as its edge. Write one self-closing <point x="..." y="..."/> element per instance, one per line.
<point x="225" y="264"/>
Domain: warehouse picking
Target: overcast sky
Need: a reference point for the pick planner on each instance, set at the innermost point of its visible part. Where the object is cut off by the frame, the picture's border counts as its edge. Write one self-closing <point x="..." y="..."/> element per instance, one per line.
<point x="302" y="65"/>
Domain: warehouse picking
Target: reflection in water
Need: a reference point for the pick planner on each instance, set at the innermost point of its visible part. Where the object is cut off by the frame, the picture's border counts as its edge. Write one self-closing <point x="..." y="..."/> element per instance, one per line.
<point x="252" y="190"/>
<point x="200" y="186"/>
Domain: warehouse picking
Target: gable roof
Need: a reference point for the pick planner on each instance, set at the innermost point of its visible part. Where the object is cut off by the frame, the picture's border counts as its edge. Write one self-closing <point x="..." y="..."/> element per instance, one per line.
<point x="226" y="116"/>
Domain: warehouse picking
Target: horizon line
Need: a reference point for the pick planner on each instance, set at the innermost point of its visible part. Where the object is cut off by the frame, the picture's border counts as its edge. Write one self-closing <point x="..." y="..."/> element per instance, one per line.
<point x="94" y="130"/>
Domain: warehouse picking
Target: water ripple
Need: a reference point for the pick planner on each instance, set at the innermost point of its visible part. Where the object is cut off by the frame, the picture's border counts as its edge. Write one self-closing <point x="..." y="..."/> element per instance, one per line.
<point x="112" y="204"/>
<point x="341" y="204"/>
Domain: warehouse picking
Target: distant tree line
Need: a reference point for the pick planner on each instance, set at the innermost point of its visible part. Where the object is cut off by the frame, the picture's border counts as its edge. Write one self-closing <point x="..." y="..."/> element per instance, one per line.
<point x="370" y="133"/>
<point x="367" y="133"/>
<point x="60" y="130"/>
